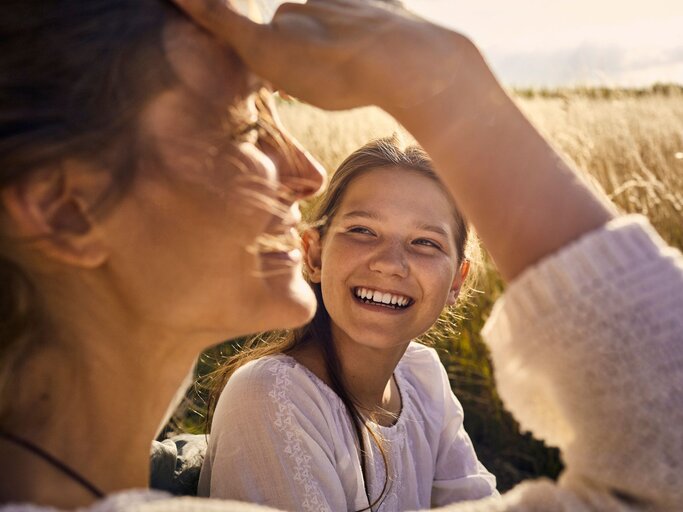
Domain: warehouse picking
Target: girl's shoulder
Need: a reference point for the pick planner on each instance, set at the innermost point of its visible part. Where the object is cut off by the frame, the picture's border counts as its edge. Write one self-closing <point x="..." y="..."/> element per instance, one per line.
<point x="279" y="369"/>
<point x="264" y="370"/>
<point x="275" y="397"/>
<point x="276" y="380"/>
<point x="420" y="359"/>
<point x="422" y="379"/>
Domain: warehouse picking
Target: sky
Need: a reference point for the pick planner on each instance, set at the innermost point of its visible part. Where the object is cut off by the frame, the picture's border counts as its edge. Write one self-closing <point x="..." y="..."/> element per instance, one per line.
<point x="550" y="43"/>
<point x="532" y="43"/>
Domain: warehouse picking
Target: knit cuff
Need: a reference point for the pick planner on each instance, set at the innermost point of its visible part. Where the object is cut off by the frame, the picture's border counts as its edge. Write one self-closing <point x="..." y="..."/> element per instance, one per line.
<point x="621" y="246"/>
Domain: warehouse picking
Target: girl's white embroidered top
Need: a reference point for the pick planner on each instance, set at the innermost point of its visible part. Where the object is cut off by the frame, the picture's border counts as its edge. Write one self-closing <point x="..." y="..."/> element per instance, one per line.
<point x="282" y="437"/>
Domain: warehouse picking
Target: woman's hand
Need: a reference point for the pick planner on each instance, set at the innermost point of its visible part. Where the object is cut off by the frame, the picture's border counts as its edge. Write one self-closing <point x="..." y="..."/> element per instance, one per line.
<point x="339" y="54"/>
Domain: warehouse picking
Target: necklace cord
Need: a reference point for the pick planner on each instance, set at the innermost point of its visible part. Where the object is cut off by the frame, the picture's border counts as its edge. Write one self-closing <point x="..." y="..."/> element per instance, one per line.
<point x="54" y="462"/>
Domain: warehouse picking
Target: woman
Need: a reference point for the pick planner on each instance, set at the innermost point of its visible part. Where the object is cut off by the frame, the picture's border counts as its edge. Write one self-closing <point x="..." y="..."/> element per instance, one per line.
<point x="575" y="266"/>
<point x="148" y="199"/>
<point x="346" y="411"/>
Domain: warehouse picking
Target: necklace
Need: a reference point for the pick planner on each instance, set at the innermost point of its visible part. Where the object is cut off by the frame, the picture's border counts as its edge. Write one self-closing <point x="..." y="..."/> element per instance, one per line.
<point x="54" y="462"/>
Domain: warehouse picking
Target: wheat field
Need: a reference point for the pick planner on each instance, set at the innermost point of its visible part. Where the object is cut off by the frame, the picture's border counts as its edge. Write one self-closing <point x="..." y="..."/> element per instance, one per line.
<point x="629" y="142"/>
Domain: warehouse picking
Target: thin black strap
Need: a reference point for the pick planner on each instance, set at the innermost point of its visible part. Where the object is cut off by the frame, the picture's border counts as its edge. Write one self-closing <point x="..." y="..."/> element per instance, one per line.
<point x="54" y="462"/>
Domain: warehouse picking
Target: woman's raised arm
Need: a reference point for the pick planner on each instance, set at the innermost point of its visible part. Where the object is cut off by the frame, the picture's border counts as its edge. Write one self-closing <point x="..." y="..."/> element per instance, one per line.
<point x="523" y="198"/>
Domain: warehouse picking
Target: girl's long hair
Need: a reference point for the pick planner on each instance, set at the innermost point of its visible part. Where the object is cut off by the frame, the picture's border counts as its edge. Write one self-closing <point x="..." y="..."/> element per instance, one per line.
<point x="381" y="153"/>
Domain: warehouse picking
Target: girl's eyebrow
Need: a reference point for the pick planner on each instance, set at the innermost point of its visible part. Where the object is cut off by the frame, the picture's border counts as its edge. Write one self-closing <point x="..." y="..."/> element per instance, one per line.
<point x="439" y="230"/>
<point x="363" y="214"/>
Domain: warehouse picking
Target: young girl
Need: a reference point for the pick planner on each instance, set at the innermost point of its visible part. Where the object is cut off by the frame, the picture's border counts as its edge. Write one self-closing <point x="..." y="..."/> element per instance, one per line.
<point x="346" y="413"/>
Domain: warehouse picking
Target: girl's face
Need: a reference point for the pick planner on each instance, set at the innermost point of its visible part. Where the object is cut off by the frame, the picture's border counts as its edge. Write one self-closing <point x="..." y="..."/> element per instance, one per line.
<point x="388" y="263"/>
<point x="188" y="237"/>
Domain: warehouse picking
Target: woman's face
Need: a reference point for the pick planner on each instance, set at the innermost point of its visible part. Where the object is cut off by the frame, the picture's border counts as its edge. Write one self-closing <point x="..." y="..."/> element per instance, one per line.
<point x="188" y="248"/>
<point x="388" y="263"/>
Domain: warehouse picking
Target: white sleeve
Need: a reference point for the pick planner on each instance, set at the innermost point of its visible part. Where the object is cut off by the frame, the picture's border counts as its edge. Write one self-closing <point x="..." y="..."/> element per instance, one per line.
<point x="587" y="348"/>
<point x="459" y="475"/>
<point x="589" y="357"/>
<point x="271" y="444"/>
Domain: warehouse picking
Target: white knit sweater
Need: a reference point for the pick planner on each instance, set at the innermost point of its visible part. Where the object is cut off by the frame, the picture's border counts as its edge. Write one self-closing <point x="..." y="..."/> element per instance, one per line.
<point x="588" y="351"/>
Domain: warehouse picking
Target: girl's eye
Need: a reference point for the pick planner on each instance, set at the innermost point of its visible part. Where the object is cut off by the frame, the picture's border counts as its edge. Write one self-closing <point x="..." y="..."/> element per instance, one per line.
<point x="361" y="230"/>
<point x="427" y="243"/>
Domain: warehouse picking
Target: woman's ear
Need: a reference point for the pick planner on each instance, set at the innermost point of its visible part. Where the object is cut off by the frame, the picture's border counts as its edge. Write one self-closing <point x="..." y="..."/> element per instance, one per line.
<point x="312" y="254"/>
<point x="51" y="210"/>
<point x="460" y="276"/>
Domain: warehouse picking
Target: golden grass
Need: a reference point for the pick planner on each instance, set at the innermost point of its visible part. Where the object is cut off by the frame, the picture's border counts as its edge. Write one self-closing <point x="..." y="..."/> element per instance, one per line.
<point x="631" y="145"/>
<point x="332" y="136"/>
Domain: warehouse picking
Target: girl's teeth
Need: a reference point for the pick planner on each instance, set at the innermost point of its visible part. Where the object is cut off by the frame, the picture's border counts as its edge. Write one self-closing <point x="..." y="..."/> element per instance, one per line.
<point x="383" y="298"/>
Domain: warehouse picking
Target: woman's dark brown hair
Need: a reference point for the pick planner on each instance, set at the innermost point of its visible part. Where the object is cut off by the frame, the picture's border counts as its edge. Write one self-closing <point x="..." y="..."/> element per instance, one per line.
<point x="381" y="153"/>
<point x="74" y="77"/>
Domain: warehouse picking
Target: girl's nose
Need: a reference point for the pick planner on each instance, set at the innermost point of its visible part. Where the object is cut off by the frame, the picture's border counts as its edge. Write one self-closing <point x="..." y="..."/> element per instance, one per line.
<point x="390" y="259"/>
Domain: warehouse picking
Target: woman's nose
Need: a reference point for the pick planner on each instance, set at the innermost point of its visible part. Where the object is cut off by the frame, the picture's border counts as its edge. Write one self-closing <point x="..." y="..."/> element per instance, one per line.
<point x="390" y="259"/>
<point x="300" y="172"/>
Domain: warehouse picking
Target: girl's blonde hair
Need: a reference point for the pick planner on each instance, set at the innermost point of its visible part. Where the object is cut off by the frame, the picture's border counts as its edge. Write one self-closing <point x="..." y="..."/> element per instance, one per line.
<point x="380" y="153"/>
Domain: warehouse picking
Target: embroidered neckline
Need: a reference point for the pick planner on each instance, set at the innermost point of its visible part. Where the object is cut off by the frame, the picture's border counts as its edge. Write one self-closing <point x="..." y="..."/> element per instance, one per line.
<point x="399" y="378"/>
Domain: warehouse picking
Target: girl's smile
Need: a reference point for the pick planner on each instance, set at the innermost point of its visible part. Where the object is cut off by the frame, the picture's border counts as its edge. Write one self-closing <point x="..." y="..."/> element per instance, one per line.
<point x="386" y="299"/>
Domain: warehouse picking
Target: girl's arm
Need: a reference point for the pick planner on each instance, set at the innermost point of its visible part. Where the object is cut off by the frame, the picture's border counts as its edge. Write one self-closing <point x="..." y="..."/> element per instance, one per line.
<point x="458" y="476"/>
<point x="523" y="199"/>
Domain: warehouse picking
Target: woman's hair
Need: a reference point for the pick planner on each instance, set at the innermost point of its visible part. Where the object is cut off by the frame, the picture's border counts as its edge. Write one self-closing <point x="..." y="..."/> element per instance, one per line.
<point x="74" y="77"/>
<point x="381" y="153"/>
